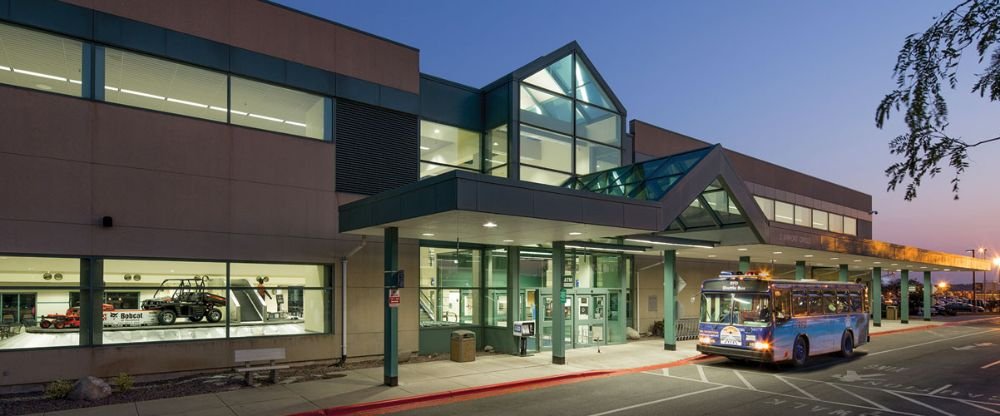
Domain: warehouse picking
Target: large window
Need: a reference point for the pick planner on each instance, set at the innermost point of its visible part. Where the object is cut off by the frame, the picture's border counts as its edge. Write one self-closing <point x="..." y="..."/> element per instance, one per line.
<point x="496" y="158"/>
<point x="445" y="148"/>
<point x="568" y="124"/>
<point x="269" y="107"/>
<point x="449" y="286"/>
<point x="496" y="284"/>
<point x="146" y="82"/>
<point x="189" y="300"/>
<point x="40" y="61"/>
<point x="806" y="217"/>
<point x="35" y="306"/>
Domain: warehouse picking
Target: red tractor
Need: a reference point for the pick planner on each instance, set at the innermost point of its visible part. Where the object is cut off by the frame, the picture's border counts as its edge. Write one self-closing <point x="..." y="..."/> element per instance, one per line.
<point x="70" y="320"/>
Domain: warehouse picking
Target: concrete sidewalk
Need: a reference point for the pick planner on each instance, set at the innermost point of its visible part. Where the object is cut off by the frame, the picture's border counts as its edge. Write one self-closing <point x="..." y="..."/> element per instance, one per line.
<point x="427" y="378"/>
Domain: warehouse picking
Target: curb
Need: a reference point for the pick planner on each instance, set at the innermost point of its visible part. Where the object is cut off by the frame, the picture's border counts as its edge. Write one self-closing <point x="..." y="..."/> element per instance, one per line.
<point x="490" y="388"/>
<point x="931" y="326"/>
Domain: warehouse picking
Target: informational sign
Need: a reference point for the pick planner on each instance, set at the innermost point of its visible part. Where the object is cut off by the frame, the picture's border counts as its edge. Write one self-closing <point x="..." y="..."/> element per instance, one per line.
<point x="393" y="298"/>
<point x="562" y="297"/>
<point x="395" y="278"/>
<point x="524" y="328"/>
<point x="568" y="282"/>
<point x="130" y="318"/>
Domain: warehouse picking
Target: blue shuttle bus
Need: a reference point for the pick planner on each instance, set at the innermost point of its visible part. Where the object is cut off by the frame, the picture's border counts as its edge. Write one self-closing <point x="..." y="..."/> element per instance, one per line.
<point x="750" y="317"/>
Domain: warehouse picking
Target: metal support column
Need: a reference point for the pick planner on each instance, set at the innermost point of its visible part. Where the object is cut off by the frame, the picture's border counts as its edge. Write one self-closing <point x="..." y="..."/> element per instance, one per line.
<point x="877" y="296"/>
<point x="558" y="294"/>
<point x="91" y="301"/>
<point x="670" y="300"/>
<point x="513" y="292"/>
<point x="843" y="273"/>
<point x="391" y="324"/>
<point x="928" y="289"/>
<point x="800" y="269"/>
<point x="904" y="297"/>
<point x="744" y="264"/>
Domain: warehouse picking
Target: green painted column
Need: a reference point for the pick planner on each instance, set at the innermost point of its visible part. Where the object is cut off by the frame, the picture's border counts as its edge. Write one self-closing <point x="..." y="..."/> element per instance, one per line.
<point x="744" y="264"/>
<point x="843" y="273"/>
<point x="877" y="296"/>
<point x="904" y="297"/>
<point x="390" y="326"/>
<point x="928" y="289"/>
<point x="800" y="269"/>
<point x="670" y="300"/>
<point x="513" y="293"/>
<point x="558" y="311"/>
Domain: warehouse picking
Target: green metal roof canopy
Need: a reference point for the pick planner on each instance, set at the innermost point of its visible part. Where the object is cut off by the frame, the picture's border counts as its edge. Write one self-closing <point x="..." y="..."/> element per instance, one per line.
<point x="649" y="180"/>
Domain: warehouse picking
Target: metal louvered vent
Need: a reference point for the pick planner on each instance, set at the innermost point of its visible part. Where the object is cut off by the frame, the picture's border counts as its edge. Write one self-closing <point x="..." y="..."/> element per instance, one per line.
<point x="377" y="149"/>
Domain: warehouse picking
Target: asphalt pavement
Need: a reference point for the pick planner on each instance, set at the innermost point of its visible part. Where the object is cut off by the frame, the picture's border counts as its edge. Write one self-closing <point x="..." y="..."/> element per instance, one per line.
<point x="949" y="370"/>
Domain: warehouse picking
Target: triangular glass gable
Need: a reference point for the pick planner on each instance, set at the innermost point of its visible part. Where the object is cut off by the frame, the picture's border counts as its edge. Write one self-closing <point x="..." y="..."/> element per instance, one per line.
<point x="587" y="88"/>
<point x="649" y="180"/>
<point x="714" y="207"/>
<point x="557" y="77"/>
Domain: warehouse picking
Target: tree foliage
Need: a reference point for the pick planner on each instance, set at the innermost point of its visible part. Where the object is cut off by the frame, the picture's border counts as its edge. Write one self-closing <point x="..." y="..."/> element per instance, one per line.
<point x="926" y="62"/>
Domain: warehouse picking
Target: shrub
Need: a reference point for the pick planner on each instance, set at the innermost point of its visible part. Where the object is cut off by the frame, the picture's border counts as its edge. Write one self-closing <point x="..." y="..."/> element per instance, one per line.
<point x="123" y="382"/>
<point x="58" y="389"/>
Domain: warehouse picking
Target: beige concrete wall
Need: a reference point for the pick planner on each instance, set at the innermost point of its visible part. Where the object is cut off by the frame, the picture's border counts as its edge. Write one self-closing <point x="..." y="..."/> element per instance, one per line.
<point x="273" y="30"/>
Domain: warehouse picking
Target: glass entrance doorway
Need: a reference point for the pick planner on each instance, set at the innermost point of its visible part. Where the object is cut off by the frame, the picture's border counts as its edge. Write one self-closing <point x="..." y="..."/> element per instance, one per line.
<point x="586" y="317"/>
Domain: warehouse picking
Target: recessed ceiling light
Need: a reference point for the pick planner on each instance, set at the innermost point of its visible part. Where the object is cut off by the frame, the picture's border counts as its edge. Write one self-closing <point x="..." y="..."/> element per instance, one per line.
<point x="575" y="233"/>
<point x="923" y="267"/>
<point x="834" y="258"/>
<point x="496" y="144"/>
<point x="776" y="252"/>
<point x="508" y="241"/>
<point x="807" y="255"/>
<point x="437" y="131"/>
<point x="857" y="261"/>
<point x="490" y="224"/>
<point x="424" y="148"/>
<point x="741" y="249"/>
<point x="712" y="255"/>
<point x="877" y="262"/>
<point x="428" y="234"/>
<point x="947" y="270"/>
<point x="894" y="264"/>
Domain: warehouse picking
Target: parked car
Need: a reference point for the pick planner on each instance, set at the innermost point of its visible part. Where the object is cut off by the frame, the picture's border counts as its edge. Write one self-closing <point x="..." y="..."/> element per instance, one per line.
<point x="963" y="307"/>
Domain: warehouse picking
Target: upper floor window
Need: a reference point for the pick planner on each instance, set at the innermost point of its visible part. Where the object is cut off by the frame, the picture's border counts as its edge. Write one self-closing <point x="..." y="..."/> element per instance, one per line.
<point x="40" y="61"/>
<point x="269" y="107"/>
<point x="568" y="124"/>
<point x="143" y="81"/>
<point x="445" y="148"/>
<point x="806" y="217"/>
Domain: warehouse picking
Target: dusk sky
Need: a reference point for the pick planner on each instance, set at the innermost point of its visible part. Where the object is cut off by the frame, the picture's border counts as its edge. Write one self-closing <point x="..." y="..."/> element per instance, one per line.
<point x="794" y="83"/>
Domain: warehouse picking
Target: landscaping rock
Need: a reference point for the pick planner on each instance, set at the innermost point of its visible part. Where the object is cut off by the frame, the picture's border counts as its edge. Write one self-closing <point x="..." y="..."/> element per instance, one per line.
<point x="632" y="333"/>
<point x="90" y="388"/>
<point x="488" y="348"/>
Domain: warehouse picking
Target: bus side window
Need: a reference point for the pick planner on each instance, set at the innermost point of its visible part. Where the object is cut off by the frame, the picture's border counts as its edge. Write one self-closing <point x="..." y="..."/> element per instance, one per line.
<point x="815" y="302"/>
<point x="782" y="300"/>
<point x="829" y="302"/>
<point x="800" y="305"/>
<point x="843" y="305"/>
<point x="857" y="305"/>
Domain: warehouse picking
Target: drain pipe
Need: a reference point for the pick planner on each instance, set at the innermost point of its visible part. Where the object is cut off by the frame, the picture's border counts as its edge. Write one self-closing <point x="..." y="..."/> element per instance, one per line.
<point x="343" y="300"/>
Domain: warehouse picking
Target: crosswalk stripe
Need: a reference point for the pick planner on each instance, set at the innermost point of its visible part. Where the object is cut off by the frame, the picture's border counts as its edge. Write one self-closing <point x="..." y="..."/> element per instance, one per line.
<point x="806" y="393"/>
<point x="740" y="376"/>
<point x="921" y="403"/>
<point x="981" y="407"/>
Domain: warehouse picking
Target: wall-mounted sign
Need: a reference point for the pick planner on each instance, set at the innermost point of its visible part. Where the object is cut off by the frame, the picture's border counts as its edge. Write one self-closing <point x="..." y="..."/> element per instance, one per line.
<point x="394" y="298"/>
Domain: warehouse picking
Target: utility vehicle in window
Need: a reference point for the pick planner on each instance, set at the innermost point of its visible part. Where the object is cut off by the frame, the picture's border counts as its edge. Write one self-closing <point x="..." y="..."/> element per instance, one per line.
<point x="188" y="300"/>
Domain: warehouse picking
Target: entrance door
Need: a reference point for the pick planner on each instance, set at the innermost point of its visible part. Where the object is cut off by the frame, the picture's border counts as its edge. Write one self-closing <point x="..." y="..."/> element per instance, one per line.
<point x="590" y="319"/>
<point x="545" y="319"/>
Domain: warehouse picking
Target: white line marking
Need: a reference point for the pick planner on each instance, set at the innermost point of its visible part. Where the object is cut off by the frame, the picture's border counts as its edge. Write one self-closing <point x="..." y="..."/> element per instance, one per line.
<point x="701" y="373"/>
<point x="679" y="396"/>
<point x="991" y="364"/>
<point x="809" y="395"/>
<point x="856" y="395"/>
<point x="911" y="393"/>
<point x="981" y="407"/>
<point x="666" y="372"/>
<point x="939" y="389"/>
<point x="740" y="376"/>
<point x="931" y="342"/>
<point x="799" y="397"/>
<point x="921" y="403"/>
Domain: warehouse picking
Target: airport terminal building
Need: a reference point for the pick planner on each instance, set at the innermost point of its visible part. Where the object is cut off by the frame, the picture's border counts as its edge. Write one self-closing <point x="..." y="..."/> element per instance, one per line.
<point x="185" y="179"/>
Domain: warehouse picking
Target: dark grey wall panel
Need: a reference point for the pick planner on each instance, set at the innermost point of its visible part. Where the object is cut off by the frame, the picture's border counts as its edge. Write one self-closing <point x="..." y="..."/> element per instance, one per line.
<point x="54" y="15"/>
<point x="377" y="149"/>
<point x="497" y="106"/>
<point x="5" y="9"/>
<point x="255" y="65"/>
<point x="129" y="34"/>
<point x="450" y="104"/>
<point x="309" y="78"/>
<point x="357" y="90"/>
<point x="398" y="100"/>
<point x="194" y="49"/>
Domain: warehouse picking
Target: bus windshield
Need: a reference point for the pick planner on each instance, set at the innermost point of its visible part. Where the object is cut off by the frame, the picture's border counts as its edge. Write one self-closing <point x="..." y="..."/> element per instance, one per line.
<point x="736" y="309"/>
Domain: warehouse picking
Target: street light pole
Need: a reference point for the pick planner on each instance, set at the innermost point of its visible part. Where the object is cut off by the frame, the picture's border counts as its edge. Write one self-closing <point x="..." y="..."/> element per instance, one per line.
<point x="975" y="307"/>
<point x="973" y="251"/>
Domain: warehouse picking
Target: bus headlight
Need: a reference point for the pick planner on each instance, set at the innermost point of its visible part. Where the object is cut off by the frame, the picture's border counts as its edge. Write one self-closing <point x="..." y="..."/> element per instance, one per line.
<point x="704" y="339"/>
<point x="761" y="346"/>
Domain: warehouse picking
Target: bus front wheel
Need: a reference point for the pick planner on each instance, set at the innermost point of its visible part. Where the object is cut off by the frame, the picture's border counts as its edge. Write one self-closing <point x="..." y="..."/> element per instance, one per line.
<point x="847" y="345"/>
<point x="800" y="352"/>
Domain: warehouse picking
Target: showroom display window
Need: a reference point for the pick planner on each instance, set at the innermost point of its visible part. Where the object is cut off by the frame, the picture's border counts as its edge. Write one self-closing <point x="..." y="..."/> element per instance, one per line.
<point x="37" y="311"/>
<point x="497" y="302"/>
<point x="158" y="301"/>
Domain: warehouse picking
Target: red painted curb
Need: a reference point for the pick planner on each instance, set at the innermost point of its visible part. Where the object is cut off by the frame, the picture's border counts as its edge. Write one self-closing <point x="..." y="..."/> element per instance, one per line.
<point x="451" y="394"/>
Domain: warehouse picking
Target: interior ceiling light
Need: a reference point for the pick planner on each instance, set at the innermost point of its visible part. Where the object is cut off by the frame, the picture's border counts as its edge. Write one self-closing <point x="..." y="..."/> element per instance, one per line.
<point x="857" y="261"/>
<point x="742" y="249"/>
<point x="807" y="255"/>
<point x="424" y="148"/>
<point x="490" y="224"/>
<point x="199" y="105"/>
<point x="776" y="252"/>
<point x="712" y="255"/>
<point x="428" y="234"/>
<point x="575" y="233"/>
<point x="508" y="241"/>
<point x="834" y="258"/>
<point x="664" y="242"/>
